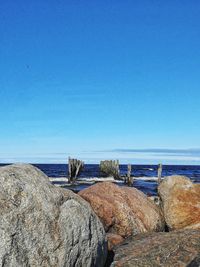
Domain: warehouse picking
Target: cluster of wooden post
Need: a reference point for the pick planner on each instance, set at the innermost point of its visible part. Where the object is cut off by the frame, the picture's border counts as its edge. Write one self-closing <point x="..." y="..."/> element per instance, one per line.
<point x="74" y="168"/>
<point x="110" y="168"/>
<point x="107" y="167"/>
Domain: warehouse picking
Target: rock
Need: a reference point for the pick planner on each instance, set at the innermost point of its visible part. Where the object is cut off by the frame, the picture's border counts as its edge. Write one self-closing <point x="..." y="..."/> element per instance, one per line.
<point x="155" y="199"/>
<point x="178" y="248"/>
<point x="42" y="225"/>
<point x="181" y="202"/>
<point x="123" y="211"/>
<point x="113" y="240"/>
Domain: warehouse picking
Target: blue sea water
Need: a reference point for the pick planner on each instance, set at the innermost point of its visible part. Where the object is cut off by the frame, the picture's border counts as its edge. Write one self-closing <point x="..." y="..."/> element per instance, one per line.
<point x="141" y="171"/>
<point x="92" y="170"/>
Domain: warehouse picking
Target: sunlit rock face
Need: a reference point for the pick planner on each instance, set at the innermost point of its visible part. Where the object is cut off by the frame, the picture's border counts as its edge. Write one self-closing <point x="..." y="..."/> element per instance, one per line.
<point x="181" y="202"/>
<point x="41" y="225"/>
<point x="123" y="211"/>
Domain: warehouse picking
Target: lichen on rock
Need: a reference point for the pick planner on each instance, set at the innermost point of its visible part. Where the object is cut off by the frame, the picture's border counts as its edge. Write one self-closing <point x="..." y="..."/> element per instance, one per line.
<point x="42" y="225"/>
<point x="181" y="202"/>
<point x="123" y="211"/>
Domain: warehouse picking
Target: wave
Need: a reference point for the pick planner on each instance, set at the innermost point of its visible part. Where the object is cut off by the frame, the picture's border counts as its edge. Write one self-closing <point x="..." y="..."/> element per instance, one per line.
<point x="91" y="180"/>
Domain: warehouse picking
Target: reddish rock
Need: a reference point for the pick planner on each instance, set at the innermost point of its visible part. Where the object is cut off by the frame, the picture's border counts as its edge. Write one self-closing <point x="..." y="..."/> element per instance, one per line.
<point x="181" y="202"/>
<point x="113" y="240"/>
<point x="123" y="211"/>
<point x="177" y="249"/>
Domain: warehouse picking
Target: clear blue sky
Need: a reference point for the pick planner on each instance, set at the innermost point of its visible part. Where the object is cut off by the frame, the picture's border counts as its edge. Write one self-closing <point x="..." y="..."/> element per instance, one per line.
<point x="94" y="79"/>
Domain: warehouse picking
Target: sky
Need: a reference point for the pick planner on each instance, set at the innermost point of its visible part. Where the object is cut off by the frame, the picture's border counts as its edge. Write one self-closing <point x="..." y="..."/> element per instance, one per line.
<point x="100" y="80"/>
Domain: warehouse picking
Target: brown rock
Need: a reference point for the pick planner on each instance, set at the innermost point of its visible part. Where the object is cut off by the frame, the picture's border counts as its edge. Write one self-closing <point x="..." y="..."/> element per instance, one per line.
<point x="123" y="211"/>
<point x="181" y="202"/>
<point x="177" y="249"/>
<point x="113" y="240"/>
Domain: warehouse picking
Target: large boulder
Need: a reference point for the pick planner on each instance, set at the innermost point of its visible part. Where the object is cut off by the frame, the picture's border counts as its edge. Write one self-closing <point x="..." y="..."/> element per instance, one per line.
<point x="181" y="202"/>
<point x="42" y="225"/>
<point x="178" y="248"/>
<point x="123" y="211"/>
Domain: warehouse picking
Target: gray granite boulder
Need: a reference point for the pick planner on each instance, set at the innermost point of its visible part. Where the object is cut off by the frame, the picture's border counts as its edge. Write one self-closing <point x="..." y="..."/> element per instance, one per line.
<point x="179" y="248"/>
<point x="42" y="225"/>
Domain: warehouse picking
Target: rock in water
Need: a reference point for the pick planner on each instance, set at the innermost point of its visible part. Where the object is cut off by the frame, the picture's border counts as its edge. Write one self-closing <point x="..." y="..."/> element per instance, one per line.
<point x="178" y="248"/>
<point x="123" y="211"/>
<point x="42" y="225"/>
<point x="181" y="202"/>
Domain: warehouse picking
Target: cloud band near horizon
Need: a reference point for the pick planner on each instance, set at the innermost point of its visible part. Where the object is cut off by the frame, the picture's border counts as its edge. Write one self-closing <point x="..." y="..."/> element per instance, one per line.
<point x="137" y="156"/>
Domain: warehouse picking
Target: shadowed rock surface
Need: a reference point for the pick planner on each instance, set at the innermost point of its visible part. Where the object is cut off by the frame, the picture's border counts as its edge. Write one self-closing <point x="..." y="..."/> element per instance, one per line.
<point x="181" y="202"/>
<point x="177" y="249"/>
<point x="42" y="225"/>
<point x="113" y="240"/>
<point x="123" y="211"/>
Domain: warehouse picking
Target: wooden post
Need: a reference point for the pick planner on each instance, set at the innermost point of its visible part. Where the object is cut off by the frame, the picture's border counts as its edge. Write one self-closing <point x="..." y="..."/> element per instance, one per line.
<point x="129" y="179"/>
<point x="110" y="168"/>
<point x="69" y="168"/>
<point x="78" y="167"/>
<point x="74" y="168"/>
<point x="118" y="171"/>
<point x="159" y="173"/>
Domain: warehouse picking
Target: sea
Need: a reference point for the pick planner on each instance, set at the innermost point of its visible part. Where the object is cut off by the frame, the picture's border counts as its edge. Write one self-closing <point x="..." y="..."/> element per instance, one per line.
<point x="145" y="175"/>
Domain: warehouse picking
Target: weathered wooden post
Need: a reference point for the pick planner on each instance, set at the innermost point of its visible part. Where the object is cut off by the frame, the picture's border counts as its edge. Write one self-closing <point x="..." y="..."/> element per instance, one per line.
<point x="110" y="168"/>
<point x="69" y="168"/>
<point x="129" y="178"/>
<point x="74" y="168"/>
<point x="118" y="170"/>
<point x="159" y="173"/>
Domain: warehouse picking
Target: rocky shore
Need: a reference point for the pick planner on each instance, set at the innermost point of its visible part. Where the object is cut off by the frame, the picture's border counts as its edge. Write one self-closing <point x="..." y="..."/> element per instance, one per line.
<point x="103" y="225"/>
